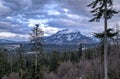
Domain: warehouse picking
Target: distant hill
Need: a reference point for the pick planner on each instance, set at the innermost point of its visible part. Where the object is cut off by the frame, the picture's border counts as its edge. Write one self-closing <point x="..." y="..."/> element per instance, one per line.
<point x="68" y="37"/>
<point x="6" y="41"/>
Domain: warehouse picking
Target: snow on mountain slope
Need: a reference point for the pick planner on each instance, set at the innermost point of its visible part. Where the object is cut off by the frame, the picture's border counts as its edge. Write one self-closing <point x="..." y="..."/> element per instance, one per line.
<point x="68" y="37"/>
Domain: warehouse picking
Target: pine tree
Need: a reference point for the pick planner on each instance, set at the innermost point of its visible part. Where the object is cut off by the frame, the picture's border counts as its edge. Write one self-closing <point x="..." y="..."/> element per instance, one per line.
<point x="80" y="51"/>
<point x="36" y="40"/>
<point x="103" y="8"/>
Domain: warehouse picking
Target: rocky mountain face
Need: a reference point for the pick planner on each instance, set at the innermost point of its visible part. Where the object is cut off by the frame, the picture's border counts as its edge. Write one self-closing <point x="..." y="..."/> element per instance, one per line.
<point x="68" y="37"/>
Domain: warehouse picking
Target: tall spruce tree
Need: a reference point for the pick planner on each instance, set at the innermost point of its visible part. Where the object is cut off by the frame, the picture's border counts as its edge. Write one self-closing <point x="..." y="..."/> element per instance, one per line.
<point x="36" y="40"/>
<point x="103" y="8"/>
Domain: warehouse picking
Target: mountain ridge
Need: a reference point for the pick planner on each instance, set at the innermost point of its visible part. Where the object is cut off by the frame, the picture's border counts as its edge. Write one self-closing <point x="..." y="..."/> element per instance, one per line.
<point x="67" y="36"/>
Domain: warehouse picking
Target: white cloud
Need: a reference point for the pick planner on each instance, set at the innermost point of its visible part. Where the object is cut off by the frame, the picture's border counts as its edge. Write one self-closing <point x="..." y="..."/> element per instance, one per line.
<point x="7" y="34"/>
<point x="14" y="36"/>
<point x="48" y="30"/>
<point x="51" y="6"/>
<point x="32" y="22"/>
<point x="53" y="12"/>
<point x="66" y="10"/>
<point x="76" y="17"/>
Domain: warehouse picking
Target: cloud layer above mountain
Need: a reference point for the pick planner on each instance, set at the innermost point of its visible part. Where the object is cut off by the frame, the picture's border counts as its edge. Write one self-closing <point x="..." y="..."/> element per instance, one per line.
<point x="18" y="16"/>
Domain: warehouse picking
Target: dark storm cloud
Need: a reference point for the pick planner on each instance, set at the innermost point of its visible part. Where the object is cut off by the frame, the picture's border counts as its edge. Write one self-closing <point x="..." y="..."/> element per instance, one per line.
<point x="34" y="7"/>
<point x="75" y="6"/>
<point x="26" y="6"/>
<point x="41" y="7"/>
<point x="17" y="29"/>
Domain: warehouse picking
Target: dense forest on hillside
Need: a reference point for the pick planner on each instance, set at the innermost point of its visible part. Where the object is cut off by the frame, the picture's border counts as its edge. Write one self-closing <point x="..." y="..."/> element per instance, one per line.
<point x="85" y="64"/>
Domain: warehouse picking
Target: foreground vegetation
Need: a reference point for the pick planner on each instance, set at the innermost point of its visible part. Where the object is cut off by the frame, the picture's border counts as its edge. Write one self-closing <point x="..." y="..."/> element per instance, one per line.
<point x="86" y="64"/>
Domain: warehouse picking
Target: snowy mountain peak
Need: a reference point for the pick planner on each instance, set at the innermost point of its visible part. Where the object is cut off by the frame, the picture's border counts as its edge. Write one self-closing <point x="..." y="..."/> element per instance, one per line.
<point x="67" y="31"/>
<point x="67" y="36"/>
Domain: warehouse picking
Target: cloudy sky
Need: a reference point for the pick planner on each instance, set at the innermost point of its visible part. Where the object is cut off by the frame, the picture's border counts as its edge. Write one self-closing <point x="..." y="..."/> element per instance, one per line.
<point x="17" y="17"/>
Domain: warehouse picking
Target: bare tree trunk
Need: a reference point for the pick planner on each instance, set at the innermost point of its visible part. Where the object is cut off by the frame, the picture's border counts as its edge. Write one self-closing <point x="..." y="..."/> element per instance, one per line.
<point x="100" y="67"/>
<point x="105" y="58"/>
<point x="105" y="42"/>
<point x="21" y="74"/>
<point x="116" y="54"/>
<point x="117" y="37"/>
<point x="36" y="62"/>
<point x="11" y="64"/>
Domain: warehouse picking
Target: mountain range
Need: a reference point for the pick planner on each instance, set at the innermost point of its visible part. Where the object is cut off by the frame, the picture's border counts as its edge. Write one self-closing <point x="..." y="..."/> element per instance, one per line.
<point x="6" y="41"/>
<point x="66" y="37"/>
